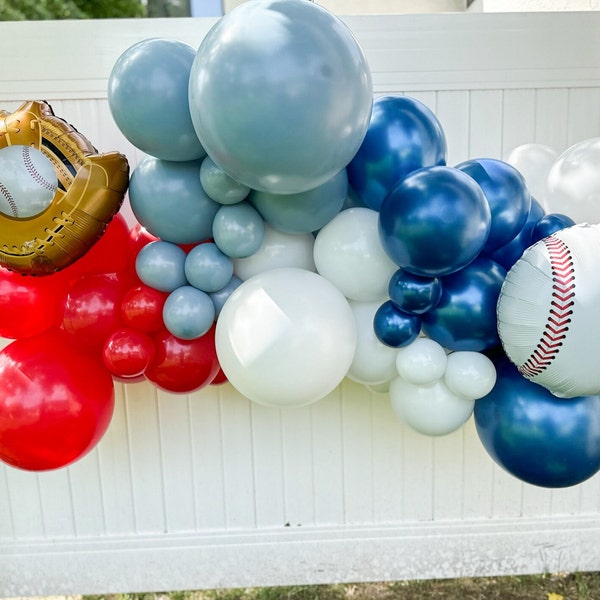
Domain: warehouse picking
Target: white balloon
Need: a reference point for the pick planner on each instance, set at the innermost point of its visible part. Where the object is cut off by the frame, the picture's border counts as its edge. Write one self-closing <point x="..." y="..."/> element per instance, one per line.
<point x="277" y="250"/>
<point x="470" y="375"/>
<point x="373" y="362"/>
<point x="548" y="318"/>
<point x="349" y="253"/>
<point x="573" y="186"/>
<point x="429" y="409"/>
<point x="533" y="161"/>
<point x="285" y="337"/>
<point x="422" y="361"/>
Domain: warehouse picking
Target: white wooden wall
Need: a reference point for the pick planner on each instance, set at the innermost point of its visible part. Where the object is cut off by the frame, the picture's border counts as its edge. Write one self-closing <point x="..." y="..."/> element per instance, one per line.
<point x="208" y="490"/>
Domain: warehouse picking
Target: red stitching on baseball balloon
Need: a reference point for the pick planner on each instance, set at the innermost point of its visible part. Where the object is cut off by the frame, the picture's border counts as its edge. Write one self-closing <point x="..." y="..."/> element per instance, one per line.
<point x="559" y="312"/>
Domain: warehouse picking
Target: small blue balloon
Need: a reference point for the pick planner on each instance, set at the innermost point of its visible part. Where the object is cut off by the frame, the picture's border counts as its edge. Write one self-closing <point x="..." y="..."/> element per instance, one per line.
<point x="219" y="186"/>
<point x="465" y="316"/>
<point x="434" y="222"/>
<point x="395" y="328"/>
<point x="220" y="296"/>
<point x="506" y="256"/>
<point x="207" y="268"/>
<point x="549" y="224"/>
<point x="148" y="98"/>
<point x="168" y="200"/>
<point x="188" y="313"/>
<point x="507" y="194"/>
<point x="414" y="294"/>
<point x="303" y="212"/>
<point x="536" y="437"/>
<point x="160" y="265"/>
<point x="403" y="136"/>
<point x="238" y="230"/>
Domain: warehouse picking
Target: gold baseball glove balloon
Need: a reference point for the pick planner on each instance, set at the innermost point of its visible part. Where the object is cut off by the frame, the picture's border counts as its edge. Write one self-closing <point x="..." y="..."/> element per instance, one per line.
<point x="90" y="191"/>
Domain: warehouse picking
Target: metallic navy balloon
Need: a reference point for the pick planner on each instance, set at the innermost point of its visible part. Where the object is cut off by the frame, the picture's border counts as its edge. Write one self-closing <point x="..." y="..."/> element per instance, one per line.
<point x="465" y="316"/>
<point x="414" y="294"/>
<point x="280" y="95"/>
<point x="535" y="436"/>
<point x="403" y="136"/>
<point x="508" y="196"/>
<point x="395" y="328"/>
<point x="549" y="224"/>
<point x="434" y="222"/>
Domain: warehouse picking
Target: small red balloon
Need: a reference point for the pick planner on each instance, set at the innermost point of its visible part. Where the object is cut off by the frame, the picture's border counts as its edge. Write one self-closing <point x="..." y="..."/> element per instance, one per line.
<point x="55" y="402"/>
<point x="183" y="366"/>
<point x="142" y="308"/>
<point x="220" y="378"/>
<point x="128" y="352"/>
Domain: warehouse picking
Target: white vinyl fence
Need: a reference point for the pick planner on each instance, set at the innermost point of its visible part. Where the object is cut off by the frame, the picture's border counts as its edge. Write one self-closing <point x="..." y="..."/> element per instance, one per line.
<point x="209" y="490"/>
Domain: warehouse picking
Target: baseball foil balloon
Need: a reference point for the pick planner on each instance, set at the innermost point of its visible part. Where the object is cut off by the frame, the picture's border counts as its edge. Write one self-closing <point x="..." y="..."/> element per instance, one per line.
<point x="548" y="312"/>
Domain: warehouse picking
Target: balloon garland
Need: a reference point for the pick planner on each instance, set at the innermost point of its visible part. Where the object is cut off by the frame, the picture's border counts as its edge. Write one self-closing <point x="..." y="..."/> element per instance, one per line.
<point x="292" y="231"/>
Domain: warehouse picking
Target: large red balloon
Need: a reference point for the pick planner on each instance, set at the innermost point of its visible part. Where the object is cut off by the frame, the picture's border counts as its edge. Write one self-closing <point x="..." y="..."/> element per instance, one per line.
<point x="29" y="305"/>
<point x="55" y="402"/>
<point x="183" y="366"/>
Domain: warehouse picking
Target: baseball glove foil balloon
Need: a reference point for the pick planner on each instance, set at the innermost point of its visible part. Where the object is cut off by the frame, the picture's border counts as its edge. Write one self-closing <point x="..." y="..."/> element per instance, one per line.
<point x="90" y="191"/>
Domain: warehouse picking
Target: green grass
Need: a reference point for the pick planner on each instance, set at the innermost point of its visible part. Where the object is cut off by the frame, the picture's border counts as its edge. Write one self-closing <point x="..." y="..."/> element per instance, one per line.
<point x="567" y="586"/>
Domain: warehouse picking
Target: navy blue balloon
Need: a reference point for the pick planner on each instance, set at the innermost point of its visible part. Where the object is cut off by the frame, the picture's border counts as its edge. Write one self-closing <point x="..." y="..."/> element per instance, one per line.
<point x="507" y="255"/>
<point x="395" y="328"/>
<point x="538" y="438"/>
<point x="465" y="316"/>
<point x="434" y="222"/>
<point x="508" y="196"/>
<point x="549" y="224"/>
<point x="403" y="136"/>
<point x="414" y="294"/>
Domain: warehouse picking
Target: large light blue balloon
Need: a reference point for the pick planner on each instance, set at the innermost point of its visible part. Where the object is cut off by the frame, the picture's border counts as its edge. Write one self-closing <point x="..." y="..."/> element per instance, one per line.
<point x="238" y="230"/>
<point x="161" y="265"/>
<point x="148" y="98"/>
<point x="168" y="200"/>
<point x="280" y="95"/>
<point x="303" y="212"/>
<point x="207" y="268"/>
<point x="188" y="313"/>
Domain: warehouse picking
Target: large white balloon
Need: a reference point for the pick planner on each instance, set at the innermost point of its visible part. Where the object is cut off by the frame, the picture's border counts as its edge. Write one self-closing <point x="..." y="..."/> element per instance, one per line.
<point x="422" y="361"/>
<point x="548" y="317"/>
<point x="349" y="253"/>
<point x="286" y="337"/>
<point x="470" y="375"/>
<point x="573" y="186"/>
<point x="429" y="409"/>
<point x="534" y="162"/>
<point x="278" y="249"/>
<point x="373" y="362"/>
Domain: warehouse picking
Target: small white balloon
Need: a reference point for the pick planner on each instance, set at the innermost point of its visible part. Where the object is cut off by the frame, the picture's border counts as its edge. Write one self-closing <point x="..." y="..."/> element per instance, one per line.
<point x="470" y="375"/>
<point x="278" y="249"/>
<point x="534" y="162"/>
<point x="349" y="253"/>
<point x="422" y="361"/>
<point x="429" y="409"/>
<point x="373" y="362"/>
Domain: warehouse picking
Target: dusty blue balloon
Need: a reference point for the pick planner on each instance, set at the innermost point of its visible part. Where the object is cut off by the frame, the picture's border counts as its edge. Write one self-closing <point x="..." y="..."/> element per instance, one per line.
<point x="160" y="265"/>
<point x="168" y="200"/>
<point x="403" y="136"/>
<point x="238" y="230"/>
<point x="219" y="186"/>
<point x="148" y="98"/>
<point x="507" y="194"/>
<point x="394" y="327"/>
<point x="207" y="268"/>
<point x="188" y="313"/>
<point x="303" y="212"/>
<point x="538" y="438"/>
<point x="220" y="296"/>
<point x="280" y="95"/>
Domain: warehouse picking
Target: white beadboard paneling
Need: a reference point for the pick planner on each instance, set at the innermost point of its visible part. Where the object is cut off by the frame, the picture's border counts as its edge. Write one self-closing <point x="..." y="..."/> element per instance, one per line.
<point x="584" y="115"/>
<point x="56" y="500"/>
<point x="552" y="117"/>
<point x="26" y="511"/>
<point x="452" y="110"/>
<point x="518" y="123"/>
<point x="485" y="124"/>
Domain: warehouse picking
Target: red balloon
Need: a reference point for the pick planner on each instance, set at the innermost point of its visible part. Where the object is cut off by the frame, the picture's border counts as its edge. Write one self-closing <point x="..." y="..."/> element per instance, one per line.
<point x="29" y="305"/>
<point x="55" y="402"/>
<point x="92" y="309"/>
<point x="220" y="378"/>
<point x="183" y="366"/>
<point x="128" y="352"/>
<point x="142" y="307"/>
